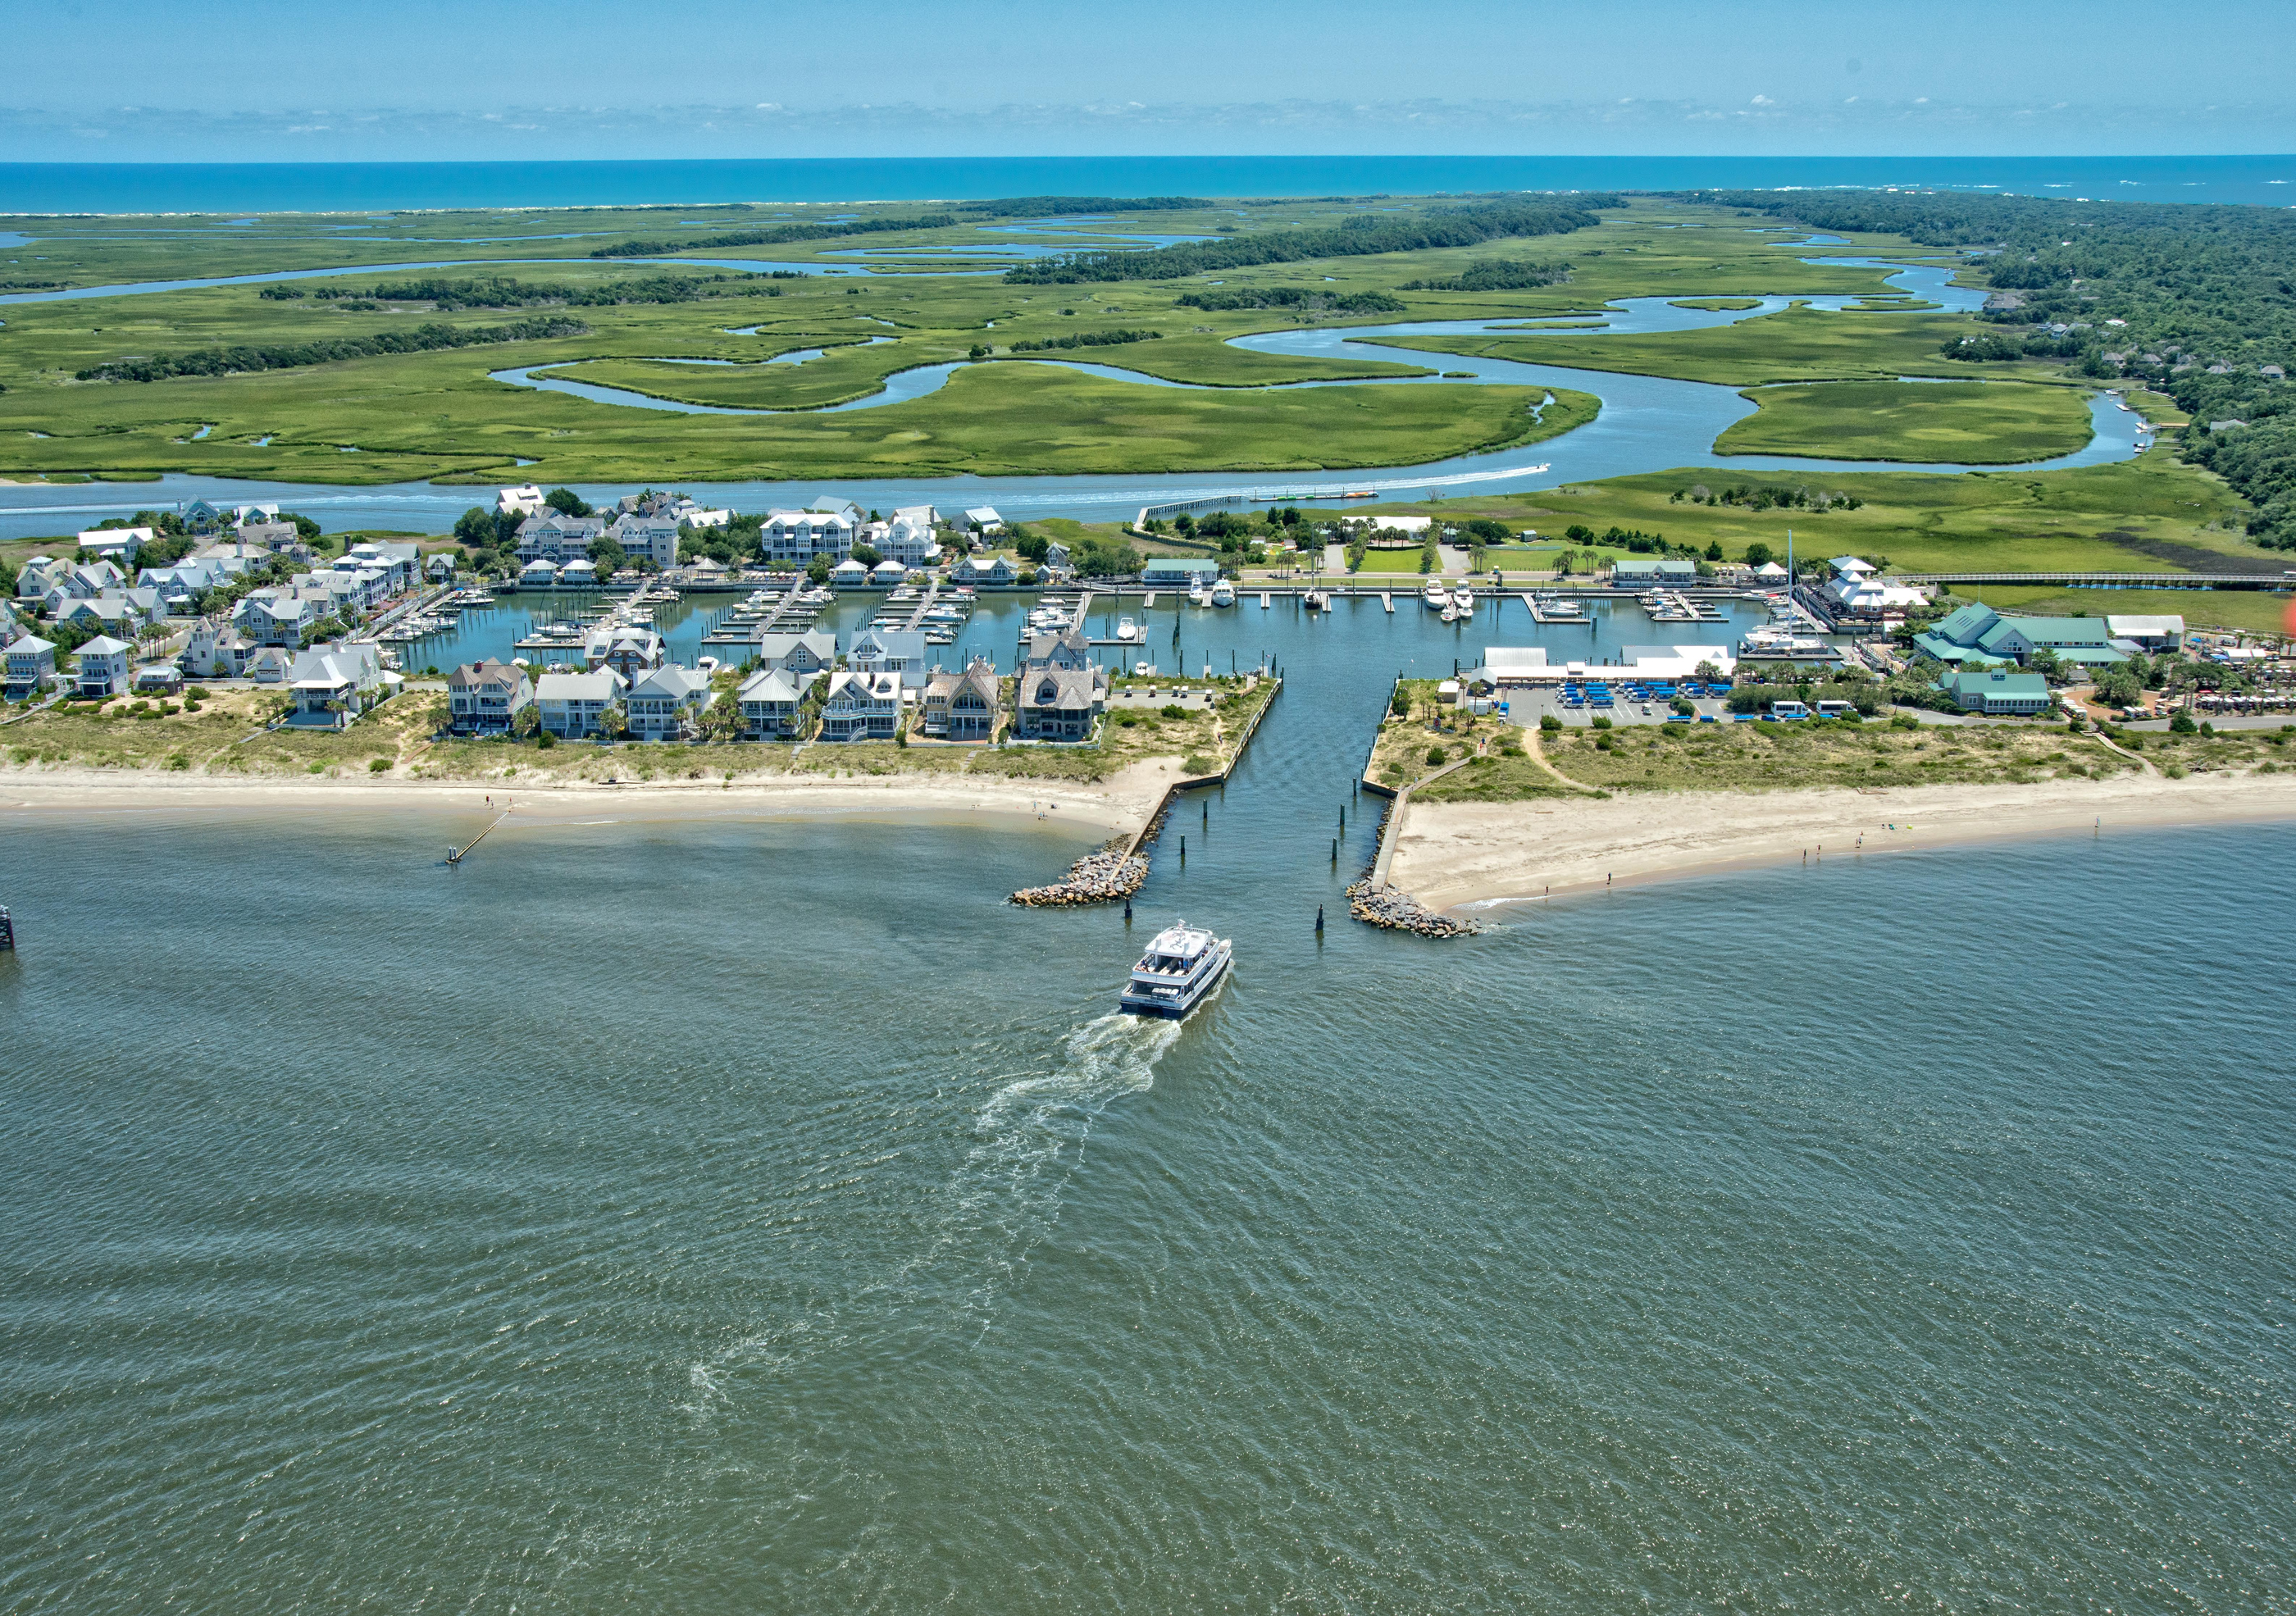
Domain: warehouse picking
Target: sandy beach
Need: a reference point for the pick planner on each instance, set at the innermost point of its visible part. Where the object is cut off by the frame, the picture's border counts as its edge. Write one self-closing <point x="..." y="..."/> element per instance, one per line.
<point x="1453" y="855"/>
<point x="1120" y="804"/>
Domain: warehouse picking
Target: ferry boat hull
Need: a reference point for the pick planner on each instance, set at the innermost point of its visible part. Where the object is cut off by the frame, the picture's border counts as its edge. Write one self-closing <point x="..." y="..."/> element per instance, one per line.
<point x="1182" y="967"/>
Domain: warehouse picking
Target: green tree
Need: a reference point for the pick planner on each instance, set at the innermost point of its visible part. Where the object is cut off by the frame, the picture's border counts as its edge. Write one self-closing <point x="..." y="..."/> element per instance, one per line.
<point x="566" y="502"/>
<point x="866" y="554"/>
<point x="817" y="570"/>
<point x="1758" y="554"/>
<point x="607" y="555"/>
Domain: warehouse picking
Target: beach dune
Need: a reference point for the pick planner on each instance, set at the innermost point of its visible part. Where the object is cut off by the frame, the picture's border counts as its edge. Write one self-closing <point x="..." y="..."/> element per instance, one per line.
<point x="1455" y="855"/>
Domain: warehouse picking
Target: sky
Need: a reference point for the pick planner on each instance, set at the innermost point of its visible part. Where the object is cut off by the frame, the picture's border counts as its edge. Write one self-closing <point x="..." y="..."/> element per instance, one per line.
<point x="265" y="80"/>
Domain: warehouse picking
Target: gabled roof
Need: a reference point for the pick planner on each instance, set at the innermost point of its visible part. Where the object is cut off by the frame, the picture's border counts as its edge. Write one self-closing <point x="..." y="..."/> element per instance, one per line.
<point x="670" y="680"/>
<point x="489" y="672"/>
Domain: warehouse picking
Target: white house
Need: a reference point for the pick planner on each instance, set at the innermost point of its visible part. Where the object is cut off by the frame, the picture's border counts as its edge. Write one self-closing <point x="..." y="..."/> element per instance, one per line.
<point x="115" y="543"/>
<point x="861" y="707"/>
<point x="271" y="665"/>
<point x="486" y="698"/>
<point x="182" y="585"/>
<point x="333" y="683"/>
<point x="977" y="570"/>
<point x="538" y="574"/>
<point x="769" y="701"/>
<point x="30" y="666"/>
<point x="103" y="669"/>
<point x="794" y="538"/>
<point x="580" y="573"/>
<point x="519" y="502"/>
<point x="910" y="537"/>
<point x="901" y="650"/>
<point x="887" y="575"/>
<point x="572" y="704"/>
<point x="39" y="575"/>
<point x="984" y="521"/>
<point x="667" y="703"/>
<point x="850" y="574"/>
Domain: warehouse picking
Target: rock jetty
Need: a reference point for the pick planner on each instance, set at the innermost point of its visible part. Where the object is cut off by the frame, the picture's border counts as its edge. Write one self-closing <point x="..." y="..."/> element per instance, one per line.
<point x="1097" y="878"/>
<point x="1398" y="911"/>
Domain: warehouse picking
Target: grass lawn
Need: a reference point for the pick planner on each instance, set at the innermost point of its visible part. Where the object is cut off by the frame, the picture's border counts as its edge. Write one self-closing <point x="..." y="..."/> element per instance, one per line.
<point x="1393" y="561"/>
<point x="1978" y="422"/>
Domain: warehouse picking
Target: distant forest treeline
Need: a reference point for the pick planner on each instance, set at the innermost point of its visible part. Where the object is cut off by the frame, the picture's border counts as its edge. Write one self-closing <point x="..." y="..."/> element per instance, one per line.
<point x="1359" y="237"/>
<point x="426" y="338"/>
<point x="1020" y="205"/>
<point x="1306" y="297"/>
<point x="1495" y="274"/>
<point x="502" y="291"/>
<point x="773" y="235"/>
<point x="2197" y="300"/>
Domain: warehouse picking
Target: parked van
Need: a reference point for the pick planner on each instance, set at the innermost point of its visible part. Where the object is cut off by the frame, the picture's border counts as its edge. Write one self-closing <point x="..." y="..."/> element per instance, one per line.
<point x="1789" y="709"/>
<point x="1836" y="710"/>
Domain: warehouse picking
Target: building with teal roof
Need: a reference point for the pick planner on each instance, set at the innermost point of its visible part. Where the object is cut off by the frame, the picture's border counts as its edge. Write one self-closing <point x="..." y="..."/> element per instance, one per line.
<point x="1977" y="633"/>
<point x="1996" y="694"/>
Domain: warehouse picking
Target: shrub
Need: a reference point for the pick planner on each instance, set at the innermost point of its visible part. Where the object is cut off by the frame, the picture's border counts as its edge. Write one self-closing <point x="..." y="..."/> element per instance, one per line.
<point x="1549" y="723"/>
<point x="546" y="741"/>
<point x="1173" y="709"/>
<point x="2182" y="725"/>
<point x="2175" y="771"/>
<point x="1674" y="731"/>
<point x="1602" y="721"/>
<point x="1436" y="754"/>
<point x="377" y="765"/>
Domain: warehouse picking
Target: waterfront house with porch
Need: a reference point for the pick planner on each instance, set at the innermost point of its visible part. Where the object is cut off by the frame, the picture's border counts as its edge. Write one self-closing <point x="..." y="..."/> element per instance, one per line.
<point x="666" y="703"/>
<point x="800" y="655"/>
<point x="573" y="705"/>
<point x="486" y="698"/>
<point x="103" y="667"/>
<point x="1057" y="703"/>
<point x="862" y="706"/>
<point x="332" y="684"/>
<point x="963" y="706"/>
<point x="901" y="650"/>
<point x="771" y="702"/>
<point x="29" y="666"/>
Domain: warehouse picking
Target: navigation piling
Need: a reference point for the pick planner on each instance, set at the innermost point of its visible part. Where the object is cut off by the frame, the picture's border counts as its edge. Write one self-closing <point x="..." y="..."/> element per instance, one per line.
<point x="8" y="933"/>
<point x="1319" y="920"/>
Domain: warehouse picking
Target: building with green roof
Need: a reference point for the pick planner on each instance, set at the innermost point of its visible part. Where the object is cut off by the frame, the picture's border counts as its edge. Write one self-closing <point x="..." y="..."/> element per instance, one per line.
<point x="1978" y="634"/>
<point x="1996" y="694"/>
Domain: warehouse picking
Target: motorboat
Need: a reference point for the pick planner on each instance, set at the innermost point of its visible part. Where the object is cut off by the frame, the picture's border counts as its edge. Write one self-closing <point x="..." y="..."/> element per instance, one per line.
<point x="1182" y="964"/>
<point x="1144" y="670"/>
<point x="1463" y="598"/>
<point x="1436" y="596"/>
<point x="1450" y="612"/>
<point x="1128" y="631"/>
<point x="1318" y="601"/>
<point x="1198" y="595"/>
<point x="1223" y="593"/>
<point x="1782" y="643"/>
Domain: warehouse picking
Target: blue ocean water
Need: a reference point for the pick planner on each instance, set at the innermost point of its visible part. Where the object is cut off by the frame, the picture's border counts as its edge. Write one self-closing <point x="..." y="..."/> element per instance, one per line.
<point x="352" y="187"/>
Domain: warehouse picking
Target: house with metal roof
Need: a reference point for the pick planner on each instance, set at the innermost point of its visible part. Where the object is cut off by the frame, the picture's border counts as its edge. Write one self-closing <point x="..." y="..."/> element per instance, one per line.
<point x="862" y="706"/>
<point x="666" y="703"/>
<point x="802" y="655"/>
<point x="332" y="684"/>
<point x="770" y="701"/>
<point x="1652" y="571"/>
<point x="103" y="669"/>
<point x="29" y="666"/>
<point x="901" y="650"/>
<point x="1178" y="572"/>
<point x="1996" y="693"/>
<point x="572" y="705"/>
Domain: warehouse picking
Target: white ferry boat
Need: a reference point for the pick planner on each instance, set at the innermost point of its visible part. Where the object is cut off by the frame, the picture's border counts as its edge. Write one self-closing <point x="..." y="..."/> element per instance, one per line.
<point x="1182" y="965"/>
<point x="1223" y="593"/>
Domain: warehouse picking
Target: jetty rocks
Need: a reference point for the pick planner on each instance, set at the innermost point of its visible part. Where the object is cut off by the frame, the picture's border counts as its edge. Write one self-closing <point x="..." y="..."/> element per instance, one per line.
<point x="1097" y="878"/>
<point x="1398" y="911"/>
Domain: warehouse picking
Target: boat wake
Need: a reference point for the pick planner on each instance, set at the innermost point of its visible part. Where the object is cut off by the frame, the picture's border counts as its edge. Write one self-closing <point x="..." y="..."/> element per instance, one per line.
<point x="1029" y="1137"/>
<point x="999" y="1203"/>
